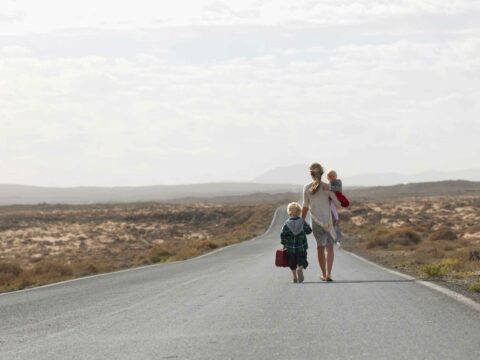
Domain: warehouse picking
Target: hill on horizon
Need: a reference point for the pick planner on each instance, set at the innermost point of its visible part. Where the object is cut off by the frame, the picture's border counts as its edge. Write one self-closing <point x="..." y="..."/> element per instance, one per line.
<point x="220" y="192"/>
<point x="424" y="189"/>
<point x="298" y="174"/>
<point x="25" y="194"/>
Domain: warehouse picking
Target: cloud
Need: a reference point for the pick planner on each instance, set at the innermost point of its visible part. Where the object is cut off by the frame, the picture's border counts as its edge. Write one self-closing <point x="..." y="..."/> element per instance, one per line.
<point x="144" y="105"/>
<point x="6" y="18"/>
<point x="220" y="84"/>
<point x="15" y="50"/>
<point x="37" y="17"/>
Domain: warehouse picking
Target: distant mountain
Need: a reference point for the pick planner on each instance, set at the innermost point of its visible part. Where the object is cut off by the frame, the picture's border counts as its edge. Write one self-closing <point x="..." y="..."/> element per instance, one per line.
<point x="22" y="194"/>
<point x="424" y="189"/>
<point x="293" y="174"/>
<point x="298" y="174"/>
<point x="220" y="192"/>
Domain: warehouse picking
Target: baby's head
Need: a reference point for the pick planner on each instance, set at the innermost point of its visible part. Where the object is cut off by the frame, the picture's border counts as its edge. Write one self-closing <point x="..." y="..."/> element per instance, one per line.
<point x="294" y="209"/>
<point x="331" y="175"/>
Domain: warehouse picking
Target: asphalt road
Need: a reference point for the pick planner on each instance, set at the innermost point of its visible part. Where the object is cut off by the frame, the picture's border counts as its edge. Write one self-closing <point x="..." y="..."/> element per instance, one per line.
<point x="234" y="304"/>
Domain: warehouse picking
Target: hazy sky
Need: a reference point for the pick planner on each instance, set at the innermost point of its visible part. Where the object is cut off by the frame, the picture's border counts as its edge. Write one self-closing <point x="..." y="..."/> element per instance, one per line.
<point x="156" y="92"/>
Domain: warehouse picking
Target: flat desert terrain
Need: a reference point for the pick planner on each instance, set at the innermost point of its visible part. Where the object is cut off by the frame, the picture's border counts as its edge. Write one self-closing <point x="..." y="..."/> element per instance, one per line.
<point x="432" y="237"/>
<point x="436" y="238"/>
<point x="47" y="243"/>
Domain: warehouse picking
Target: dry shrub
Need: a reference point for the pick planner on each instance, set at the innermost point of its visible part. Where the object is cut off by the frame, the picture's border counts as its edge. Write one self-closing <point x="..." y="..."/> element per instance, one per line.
<point x="474" y="255"/>
<point x="86" y="268"/>
<point x="475" y="287"/>
<point x="159" y="253"/>
<point x="443" y="233"/>
<point x="6" y="279"/>
<point x="344" y="216"/>
<point x="208" y="245"/>
<point x="441" y="268"/>
<point x="185" y="251"/>
<point x="473" y="228"/>
<point x="10" y="269"/>
<point x="360" y="211"/>
<point x="377" y="243"/>
<point x="431" y="252"/>
<point x="92" y="266"/>
<point x="385" y="237"/>
<point x="51" y="268"/>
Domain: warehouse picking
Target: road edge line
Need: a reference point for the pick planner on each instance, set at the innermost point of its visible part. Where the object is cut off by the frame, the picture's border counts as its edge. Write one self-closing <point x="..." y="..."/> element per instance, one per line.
<point x="450" y="293"/>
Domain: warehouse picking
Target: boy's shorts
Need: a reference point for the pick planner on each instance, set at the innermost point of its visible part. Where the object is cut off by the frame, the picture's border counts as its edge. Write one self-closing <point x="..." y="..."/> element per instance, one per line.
<point x="295" y="260"/>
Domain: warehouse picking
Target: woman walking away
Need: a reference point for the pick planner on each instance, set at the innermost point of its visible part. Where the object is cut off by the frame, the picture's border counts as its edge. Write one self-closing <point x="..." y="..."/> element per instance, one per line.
<point x="316" y="198"/>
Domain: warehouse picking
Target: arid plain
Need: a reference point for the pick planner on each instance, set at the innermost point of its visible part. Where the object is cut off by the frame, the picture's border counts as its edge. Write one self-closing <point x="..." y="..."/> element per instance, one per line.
<point x="46" y="243"/>
<point x="436" y="238"/>
<point x="431" y="231"/>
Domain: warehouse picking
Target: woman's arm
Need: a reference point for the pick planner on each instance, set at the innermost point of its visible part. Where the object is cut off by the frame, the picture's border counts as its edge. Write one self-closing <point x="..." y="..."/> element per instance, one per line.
<point x="304" y="212"/>
<point x="306" y="202"/>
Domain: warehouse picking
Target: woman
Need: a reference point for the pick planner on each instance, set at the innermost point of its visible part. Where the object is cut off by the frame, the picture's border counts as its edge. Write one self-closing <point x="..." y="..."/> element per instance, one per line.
<point x="316" y="198"/>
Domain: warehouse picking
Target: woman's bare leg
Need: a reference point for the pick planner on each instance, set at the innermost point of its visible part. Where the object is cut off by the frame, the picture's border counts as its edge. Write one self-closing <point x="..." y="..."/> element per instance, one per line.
<point x="330" y="257"/>
<point x="321" y="260"/>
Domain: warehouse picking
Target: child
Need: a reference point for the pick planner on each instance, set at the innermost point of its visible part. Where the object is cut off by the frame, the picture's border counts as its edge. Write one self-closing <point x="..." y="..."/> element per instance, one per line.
<point x="294" y="239"/>
<point x="336" y="187"/>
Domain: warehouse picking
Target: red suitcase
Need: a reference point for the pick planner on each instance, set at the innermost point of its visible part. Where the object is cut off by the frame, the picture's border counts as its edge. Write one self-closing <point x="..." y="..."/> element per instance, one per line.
<point x="281" y="258"/>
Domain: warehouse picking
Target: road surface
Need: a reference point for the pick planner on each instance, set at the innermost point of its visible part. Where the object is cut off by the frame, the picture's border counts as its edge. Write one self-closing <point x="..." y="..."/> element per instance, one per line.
<point x="234" y="304"/>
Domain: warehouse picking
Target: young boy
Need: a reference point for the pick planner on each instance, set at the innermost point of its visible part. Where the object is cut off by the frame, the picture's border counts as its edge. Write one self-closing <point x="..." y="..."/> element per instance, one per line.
<point x="293" y="238"/>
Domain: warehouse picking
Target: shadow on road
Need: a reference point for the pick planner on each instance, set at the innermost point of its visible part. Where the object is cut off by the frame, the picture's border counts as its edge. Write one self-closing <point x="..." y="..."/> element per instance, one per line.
<point x="357" y="281"/>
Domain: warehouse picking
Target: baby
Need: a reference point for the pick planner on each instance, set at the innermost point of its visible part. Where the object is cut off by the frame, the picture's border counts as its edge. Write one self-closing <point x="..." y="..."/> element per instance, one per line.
<point x="294" y="239"/>
<point x="336" y="187"/>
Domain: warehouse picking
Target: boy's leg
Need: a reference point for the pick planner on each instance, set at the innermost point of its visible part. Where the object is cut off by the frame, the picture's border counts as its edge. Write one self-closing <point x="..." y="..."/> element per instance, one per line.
<point x="300" y="274"/>
<point x="292" y="264"/>
<point x="295" y="278"/>
<point x="302" y="265"/>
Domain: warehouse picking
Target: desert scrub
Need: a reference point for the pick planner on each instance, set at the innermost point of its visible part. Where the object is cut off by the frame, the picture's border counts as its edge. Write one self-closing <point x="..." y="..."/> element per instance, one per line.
<point x="441" y="268"/>
<point x="9" y="268"/>
<point x="475" y="287"/>
<point x="386" y="237"/>
<point x="159" y="253"/>
<point x="443" y="234"/>
<point x="58" y="242"/>
<point x="9" y="273"/>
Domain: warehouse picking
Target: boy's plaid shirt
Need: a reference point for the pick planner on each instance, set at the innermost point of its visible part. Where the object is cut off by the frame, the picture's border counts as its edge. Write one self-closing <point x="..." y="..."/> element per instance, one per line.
<point x="295" y="244"/>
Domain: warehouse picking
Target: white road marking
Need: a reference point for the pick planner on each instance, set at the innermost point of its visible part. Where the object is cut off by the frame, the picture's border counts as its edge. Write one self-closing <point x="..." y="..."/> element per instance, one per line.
<point x="451" y="294"/>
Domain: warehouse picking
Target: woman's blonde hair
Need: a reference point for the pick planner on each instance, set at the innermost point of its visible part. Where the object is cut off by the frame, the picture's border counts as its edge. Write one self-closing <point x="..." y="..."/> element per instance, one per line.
<point x="294" y="209"/>
<point x="316" y="171"/>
